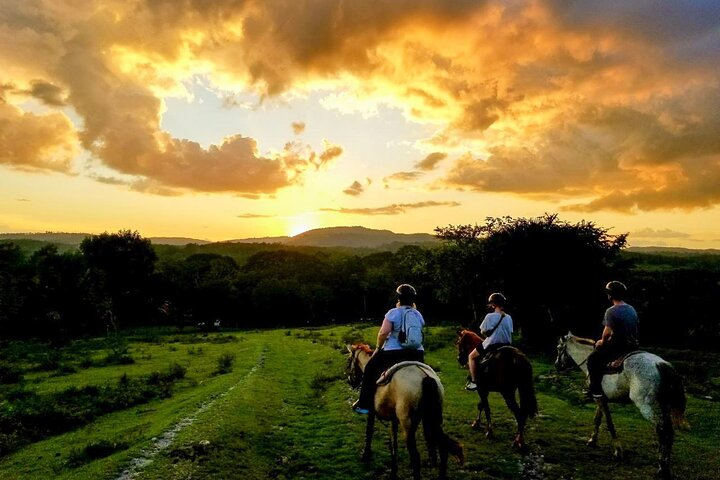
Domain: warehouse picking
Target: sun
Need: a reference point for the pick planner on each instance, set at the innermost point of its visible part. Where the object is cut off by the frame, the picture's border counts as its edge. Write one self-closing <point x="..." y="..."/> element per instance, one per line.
<point x="301" y="223"/>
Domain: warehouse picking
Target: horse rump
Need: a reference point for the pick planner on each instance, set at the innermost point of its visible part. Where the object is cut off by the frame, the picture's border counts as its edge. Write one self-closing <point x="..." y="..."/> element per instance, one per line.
<point x="672" y="395"/>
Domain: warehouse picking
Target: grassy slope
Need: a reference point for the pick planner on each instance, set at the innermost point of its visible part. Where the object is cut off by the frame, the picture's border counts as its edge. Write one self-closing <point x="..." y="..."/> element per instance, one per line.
<point x="289" y="417"/>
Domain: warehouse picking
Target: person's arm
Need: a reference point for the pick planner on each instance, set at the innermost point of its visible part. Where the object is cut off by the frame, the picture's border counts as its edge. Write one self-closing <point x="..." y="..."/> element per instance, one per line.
<point x="606" y="335"/>
<point x="383" y="334"/>
<point x="483" y="327"/>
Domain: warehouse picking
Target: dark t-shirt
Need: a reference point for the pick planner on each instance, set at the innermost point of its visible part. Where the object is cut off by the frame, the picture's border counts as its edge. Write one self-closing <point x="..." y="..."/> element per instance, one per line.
<point x="623" y="319"/>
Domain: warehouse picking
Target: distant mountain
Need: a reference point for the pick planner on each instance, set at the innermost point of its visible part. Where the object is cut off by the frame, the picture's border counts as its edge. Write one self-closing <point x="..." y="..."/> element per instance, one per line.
<point x="74" y="239"/>
<point x="674" y="250"/>
<point x="355" y="237"/>
<point x="177" y="241"/>
<point x="63" y="238"/>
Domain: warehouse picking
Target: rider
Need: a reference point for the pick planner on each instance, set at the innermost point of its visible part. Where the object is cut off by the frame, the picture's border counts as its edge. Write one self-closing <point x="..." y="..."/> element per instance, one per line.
<point x="496" y="328"/>
<point x="389" y="351"/>
<point x="620" y="336"/>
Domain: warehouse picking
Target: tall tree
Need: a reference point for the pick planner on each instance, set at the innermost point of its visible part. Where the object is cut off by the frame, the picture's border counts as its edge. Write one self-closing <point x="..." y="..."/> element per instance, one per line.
<point x="120" y="266"/>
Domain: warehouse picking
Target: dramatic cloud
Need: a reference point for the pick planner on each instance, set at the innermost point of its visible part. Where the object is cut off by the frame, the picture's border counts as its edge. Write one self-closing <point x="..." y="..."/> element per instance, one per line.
<point x="355" y="189"/>
<point x="36" y="142"/>
<point x="298" y="127"/>
<point x="431" y="161"/>
<point x="614" y="104"/>
<point x="394" y="209"/>
<point x="403" y="176"/>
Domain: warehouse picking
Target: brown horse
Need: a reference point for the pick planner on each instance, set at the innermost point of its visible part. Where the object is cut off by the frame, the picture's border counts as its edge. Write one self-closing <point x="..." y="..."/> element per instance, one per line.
<point x="510" y="371"/>
<point x="413" y="394"/>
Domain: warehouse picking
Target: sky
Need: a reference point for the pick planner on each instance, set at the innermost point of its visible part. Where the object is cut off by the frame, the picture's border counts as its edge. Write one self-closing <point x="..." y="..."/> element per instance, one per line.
<point x="249" y="118"/>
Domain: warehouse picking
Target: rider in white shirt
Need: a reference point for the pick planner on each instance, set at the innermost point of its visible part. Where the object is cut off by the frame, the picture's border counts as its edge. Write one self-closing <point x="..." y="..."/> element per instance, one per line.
<point x="497" y="329"/>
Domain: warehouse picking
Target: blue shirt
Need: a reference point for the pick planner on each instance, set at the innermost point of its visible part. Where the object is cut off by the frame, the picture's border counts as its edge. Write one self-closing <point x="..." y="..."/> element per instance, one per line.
<point x="395" y="316"/>
<point x="623" y="319"/>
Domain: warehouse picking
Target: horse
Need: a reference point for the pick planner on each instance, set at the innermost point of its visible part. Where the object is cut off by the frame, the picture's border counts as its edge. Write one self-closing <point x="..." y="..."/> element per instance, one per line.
<point x="511" y="372"/>
<point x="647" y="380"/>
<point x="413" y="394"/>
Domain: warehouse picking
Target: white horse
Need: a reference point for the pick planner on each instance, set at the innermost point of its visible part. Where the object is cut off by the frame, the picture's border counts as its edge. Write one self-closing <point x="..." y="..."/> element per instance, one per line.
<point x="647" y="380"/>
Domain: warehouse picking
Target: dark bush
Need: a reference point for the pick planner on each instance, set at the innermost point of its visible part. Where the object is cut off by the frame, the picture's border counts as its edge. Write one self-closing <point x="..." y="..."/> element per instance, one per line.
<point x="10" y="374"/>
<point x="225" y="363"/>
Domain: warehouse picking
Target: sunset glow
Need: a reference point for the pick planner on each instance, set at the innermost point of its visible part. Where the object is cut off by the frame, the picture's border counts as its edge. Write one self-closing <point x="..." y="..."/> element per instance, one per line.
<point x="226" y="119"/>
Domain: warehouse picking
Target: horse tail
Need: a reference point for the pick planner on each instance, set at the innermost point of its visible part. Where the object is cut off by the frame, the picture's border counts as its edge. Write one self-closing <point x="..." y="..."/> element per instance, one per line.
<point x="671" y="394"/>
<point x="526" y="389"/>
<point x="431" y="413"/>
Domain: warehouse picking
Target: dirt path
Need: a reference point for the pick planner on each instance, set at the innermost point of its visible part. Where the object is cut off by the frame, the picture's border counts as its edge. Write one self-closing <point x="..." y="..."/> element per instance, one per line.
<point x="146" y="456"/>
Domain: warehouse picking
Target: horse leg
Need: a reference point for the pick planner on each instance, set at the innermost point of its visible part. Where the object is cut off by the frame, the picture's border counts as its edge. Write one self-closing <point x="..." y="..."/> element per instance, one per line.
<point x="520" y="418"/>
<point x="666" y="436"/>
<point x="617" y="445"/>
<point x="597" y="421"/>
<point x="409" y="429"/>
<point x="369" y="428"/>
<point x="486" y="406"/>
<point x="394" y="450"/>
<point x="477" y="423"/>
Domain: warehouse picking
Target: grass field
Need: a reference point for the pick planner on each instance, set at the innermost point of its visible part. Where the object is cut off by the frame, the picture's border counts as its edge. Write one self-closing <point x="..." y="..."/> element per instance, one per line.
<point x="275" y="404"/>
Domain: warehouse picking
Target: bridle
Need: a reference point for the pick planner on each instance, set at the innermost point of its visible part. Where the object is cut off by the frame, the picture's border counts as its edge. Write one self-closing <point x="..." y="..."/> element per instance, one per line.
<point x="354" y="372"/>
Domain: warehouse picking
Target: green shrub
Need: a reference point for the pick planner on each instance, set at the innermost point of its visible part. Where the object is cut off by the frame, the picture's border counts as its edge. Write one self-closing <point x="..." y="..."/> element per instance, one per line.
<point x="225" y="363"/>
<point x="94" y="451"/>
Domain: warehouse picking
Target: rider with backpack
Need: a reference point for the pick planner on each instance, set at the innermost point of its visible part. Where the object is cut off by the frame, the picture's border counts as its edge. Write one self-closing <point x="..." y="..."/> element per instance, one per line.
<point x="496" y="329"/>
<point x="399" y="339"/>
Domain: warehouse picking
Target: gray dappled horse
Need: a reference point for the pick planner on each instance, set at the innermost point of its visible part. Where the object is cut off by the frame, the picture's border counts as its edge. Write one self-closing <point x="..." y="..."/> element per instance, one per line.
<point x="414" y="394"/>
<point x="647" y="380"/>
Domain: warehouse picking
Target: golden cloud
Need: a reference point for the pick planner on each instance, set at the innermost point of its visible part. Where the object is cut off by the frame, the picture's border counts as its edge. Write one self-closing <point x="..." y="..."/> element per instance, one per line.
<point x="431" y="161"/>
<point x="36" y="142"/>
<point x="393" y="209"/>
<point x="355" y="189"/>
<point x="619" y="105"/>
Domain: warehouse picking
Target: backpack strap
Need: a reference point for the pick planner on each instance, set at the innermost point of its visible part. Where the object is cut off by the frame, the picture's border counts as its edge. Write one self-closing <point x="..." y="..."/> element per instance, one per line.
<point x="492" y="330"/>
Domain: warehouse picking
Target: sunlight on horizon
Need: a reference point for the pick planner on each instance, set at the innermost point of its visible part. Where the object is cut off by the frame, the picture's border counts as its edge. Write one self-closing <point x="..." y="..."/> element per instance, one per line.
<point x="301" y="223"/>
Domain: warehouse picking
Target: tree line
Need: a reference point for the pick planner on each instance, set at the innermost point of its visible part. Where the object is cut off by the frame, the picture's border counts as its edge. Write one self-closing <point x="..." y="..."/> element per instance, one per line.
<point x="552" y="272"/>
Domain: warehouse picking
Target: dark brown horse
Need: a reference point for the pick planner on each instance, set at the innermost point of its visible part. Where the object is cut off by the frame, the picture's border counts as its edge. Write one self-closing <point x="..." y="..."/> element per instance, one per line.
<point x="510" y="371"/>
<point x="414" y="394"/>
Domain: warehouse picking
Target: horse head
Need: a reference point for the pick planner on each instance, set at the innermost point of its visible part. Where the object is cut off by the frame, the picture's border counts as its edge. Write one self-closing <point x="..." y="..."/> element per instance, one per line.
<point x="466" y="342"/>
<point x="354" y="369"/>
<point x="563" y="361"/>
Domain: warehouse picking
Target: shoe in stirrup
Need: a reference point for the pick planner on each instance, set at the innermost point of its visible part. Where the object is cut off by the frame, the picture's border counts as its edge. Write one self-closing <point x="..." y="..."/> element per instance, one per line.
<point x="358" y="409"/>
<point x="470" y="386"/>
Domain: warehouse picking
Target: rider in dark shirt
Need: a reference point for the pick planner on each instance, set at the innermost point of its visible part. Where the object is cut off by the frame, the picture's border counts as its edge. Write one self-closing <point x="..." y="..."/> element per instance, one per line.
<point x="620" y="336"/>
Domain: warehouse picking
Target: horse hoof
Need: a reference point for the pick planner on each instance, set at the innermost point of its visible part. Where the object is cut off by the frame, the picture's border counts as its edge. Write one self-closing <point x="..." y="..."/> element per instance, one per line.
<point x="489" y="435"/>
<point x="475" y="425"/>
<point x="366" y="457"/>
<point x="592" y="442"/>
<point x="618" y="454"/>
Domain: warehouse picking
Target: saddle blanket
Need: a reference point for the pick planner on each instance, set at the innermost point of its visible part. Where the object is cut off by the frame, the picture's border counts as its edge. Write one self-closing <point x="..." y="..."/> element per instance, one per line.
<point x="616" y="366"/>
<point x="387" y="374"/>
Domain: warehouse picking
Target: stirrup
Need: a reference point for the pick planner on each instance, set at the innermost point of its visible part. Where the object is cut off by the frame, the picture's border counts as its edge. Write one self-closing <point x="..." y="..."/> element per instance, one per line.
<point x="470" y="386"/>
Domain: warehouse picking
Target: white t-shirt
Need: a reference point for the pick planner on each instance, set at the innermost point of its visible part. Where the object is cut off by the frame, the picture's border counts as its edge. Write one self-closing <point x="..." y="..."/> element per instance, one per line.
<point x="503" y="332"/>
<point x="394" y="316"/>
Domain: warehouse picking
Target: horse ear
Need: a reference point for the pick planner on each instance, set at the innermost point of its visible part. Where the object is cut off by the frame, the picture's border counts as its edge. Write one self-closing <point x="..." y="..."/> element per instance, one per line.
<point x="349" y="347"/>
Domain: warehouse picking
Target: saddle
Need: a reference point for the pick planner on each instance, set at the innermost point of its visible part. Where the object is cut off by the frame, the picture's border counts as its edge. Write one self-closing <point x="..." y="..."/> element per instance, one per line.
<point x="388" y="374"/>
<point x="617" y="365"/>
<point x="496" y="354"/>
<point x="487" y="362"/>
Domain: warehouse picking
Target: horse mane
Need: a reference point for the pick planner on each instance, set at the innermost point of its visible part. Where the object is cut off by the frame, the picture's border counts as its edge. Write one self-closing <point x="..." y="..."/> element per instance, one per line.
<point x="470" y="333"/>
<point x="583" y="341"/>
<point x="363" y="347"/>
